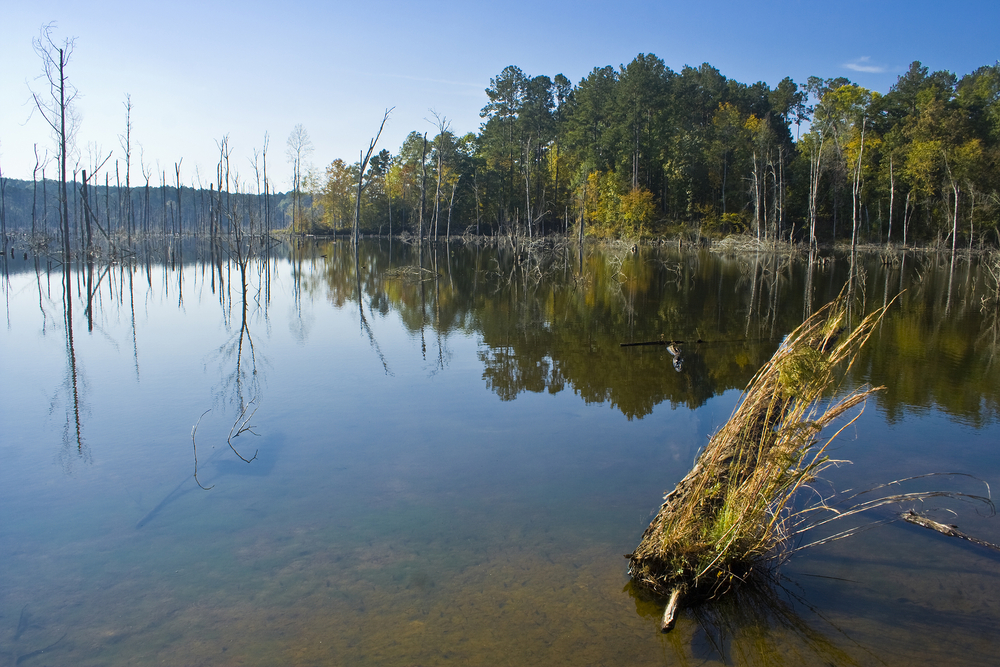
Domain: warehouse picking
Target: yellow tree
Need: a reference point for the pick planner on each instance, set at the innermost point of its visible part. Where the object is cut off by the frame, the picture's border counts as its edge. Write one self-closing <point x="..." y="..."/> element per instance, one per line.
<point x="604" y="192"/>
<point x="335" y="195"/>
<point x="919" y="170"/>
<point x="860" y="152"/>
<point x="637" y="210"/>
<point x="928" y="133"/>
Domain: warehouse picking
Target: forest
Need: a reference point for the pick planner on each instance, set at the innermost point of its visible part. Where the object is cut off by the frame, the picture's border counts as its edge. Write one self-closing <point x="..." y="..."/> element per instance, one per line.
<point x="633" y="152"/>
<point x="643" y="151"/>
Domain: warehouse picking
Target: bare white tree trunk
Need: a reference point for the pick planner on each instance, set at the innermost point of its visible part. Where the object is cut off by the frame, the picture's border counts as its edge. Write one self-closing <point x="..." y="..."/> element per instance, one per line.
<point x="755" y="193"/>
<point x="437" y="192"/>
<point x="815" y="170"/>
<point x="451" y="203"/>
<point x="955" y="191"/>
<point x="907" y="212"/>
<point x="892" y="196"/>
<point x="423" y="189"/>
<point x="972" y="211"/>
<point x="527" y="185"/>
<point x="856" y="190"/>
<point x="298" y="148"/>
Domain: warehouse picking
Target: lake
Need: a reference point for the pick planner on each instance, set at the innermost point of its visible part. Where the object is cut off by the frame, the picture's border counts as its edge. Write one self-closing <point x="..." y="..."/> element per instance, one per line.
<point x="440" y="455"/>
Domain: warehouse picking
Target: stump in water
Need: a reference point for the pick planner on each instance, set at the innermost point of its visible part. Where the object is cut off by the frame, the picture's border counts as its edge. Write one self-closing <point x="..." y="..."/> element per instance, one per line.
<point x="731" y="511"/>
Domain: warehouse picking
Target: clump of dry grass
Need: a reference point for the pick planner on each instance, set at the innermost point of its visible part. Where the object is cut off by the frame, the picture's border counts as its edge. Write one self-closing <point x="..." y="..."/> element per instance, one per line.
<point x="732" y="510"/>
<point x="409" y="274"/>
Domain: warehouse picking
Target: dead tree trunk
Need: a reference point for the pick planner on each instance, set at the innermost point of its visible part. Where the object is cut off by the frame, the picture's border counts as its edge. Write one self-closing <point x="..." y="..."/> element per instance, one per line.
<point x="180" y="220"/>
<point x="55" y="109"/>
<point x="423" y="189"/>
<point x="437" y="191"/>
<point x="815" y="171"/>
<point x="361" y="174"/>
<point x="892" y="197"/>
<point x="451" y="204"/>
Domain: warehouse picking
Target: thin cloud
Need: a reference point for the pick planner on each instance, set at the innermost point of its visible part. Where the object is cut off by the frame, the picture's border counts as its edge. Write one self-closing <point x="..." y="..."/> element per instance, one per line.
<point x="422" y="79"/>
<point x="862" y="64"/>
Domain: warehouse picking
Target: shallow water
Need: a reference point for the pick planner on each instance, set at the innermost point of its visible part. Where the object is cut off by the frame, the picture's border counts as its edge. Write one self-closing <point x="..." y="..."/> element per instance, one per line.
<point x="449" y="470"/>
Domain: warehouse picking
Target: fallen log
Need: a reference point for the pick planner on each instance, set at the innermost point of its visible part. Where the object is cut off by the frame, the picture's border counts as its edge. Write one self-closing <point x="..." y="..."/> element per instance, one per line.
<point x="658" y="342"/>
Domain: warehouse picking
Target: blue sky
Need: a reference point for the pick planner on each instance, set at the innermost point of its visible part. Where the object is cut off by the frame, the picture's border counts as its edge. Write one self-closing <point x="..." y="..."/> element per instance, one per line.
<point x="199" y="71"/>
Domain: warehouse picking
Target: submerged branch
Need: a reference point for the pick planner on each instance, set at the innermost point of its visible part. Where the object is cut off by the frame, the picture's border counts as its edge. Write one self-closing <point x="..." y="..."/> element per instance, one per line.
<point x="945" y="529"/>
<point x="194" y="429"/>
<point x="242" y="425"/>
<point x="828" y="505"/>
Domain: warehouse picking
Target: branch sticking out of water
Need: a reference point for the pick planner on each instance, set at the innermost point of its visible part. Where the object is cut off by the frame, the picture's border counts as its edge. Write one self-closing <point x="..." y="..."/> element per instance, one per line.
<point x="829" y="511"/>
<point x="944" y="529"/>
<point x="670" y="613"/>
<point x="194" y="429"/>
<point x="242" y="425"/>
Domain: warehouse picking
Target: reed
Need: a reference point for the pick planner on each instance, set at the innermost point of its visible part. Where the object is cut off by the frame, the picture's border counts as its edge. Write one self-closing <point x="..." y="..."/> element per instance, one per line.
<point x="733" y="511"/>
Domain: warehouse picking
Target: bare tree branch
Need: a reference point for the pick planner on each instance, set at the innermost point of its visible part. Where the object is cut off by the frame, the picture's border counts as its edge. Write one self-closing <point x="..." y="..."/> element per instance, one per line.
<point x="242" y="425"/>
<point x="194" y="429"/>
<point x="361" y="172"/>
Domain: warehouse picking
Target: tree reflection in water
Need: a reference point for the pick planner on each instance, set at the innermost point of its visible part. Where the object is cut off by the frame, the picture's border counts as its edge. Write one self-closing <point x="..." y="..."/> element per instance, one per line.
<point x="73" y="444"/>
<point x="761" y="622"/>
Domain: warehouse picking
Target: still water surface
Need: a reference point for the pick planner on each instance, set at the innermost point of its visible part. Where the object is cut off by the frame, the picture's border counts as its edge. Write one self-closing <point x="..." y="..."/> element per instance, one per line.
<point x="448" y="469"/>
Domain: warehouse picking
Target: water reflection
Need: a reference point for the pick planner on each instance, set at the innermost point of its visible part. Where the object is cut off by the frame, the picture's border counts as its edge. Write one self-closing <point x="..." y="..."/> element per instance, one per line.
<point x="547" y="324"/>
<point x="764" y="622"/>
<point x="240" y="378"/>
<point x="442" y="487"/>
<point x="73" y="431"/>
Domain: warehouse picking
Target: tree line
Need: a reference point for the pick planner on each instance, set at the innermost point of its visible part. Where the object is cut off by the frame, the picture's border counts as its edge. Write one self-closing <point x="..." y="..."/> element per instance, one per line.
<point x="629" y="152"/>
<point x="92" y="216"/>
<point x="151" y="208"/>
<point x="642" y="150"/>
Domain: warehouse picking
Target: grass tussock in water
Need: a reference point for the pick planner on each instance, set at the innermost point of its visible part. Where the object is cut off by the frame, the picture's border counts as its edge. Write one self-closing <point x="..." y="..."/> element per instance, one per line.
<point x="732" y="511"/>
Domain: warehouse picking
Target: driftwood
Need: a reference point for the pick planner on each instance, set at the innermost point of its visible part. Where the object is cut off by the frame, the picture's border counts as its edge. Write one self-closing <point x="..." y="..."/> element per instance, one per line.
<point x="670" y="613"/>
<point x="944" y="529"/>
<point x="658" y="342"/>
